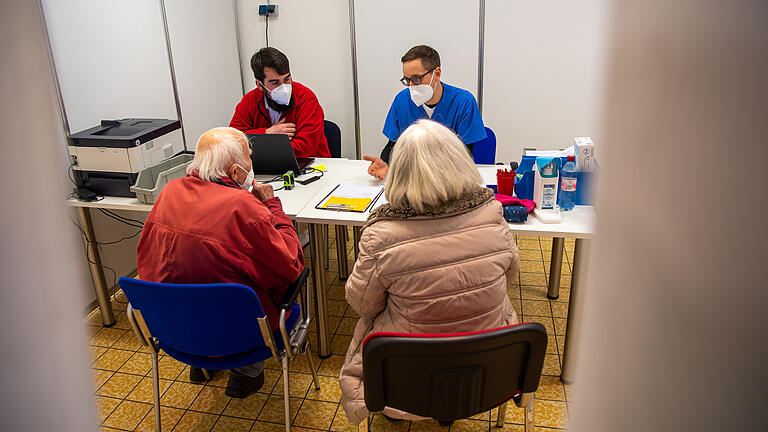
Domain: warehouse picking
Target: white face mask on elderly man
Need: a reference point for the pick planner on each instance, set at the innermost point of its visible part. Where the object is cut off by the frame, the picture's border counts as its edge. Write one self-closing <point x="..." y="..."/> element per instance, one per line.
<point x="421" y="93"/>
<point x="247" y="184"/>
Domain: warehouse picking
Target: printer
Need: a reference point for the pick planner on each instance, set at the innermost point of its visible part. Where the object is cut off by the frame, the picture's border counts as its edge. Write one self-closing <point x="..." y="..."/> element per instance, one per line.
<point x="106" y="159"/>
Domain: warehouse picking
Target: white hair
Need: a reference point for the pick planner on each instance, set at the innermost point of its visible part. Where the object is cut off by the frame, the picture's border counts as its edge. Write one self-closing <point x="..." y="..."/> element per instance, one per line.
<point x="214" y="160"/>
<point x="430" y="165"/>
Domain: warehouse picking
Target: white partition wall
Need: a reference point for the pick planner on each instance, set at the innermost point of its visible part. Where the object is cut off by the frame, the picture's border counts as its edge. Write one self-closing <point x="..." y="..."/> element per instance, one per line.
<point x="111" y="60"/>
<point x="204" y="49"/>
<point x="385" y="30"/>
<point x="543" y="68"/>
<point x="315" y="37"/>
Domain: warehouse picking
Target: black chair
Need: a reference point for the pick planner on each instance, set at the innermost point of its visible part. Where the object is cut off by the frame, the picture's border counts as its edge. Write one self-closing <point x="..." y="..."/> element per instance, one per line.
<point x="333" y="136"/>
<point x="454" y="376"/>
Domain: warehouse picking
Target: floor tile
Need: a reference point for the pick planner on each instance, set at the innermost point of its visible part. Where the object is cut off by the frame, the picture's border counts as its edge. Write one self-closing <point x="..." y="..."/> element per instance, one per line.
<point x="340" y="343"/>
<point x="467" y="425"/>
<point x="551" y="414"/>
<point x="341" y="422"/>
<point x="94" y="352"/>
<point x="559" y="309"/>
<point x="531" y="266"/>
<point x="138" y="364"/>
<point x="267" y="427"/>
<point x="128" y="341"/>
<point x="336" y="292"/>
<point x="99" y="377"/>
<point x="105" y="406"/>
<point x="300" y="363"/>
<point x="112" y="360"/>
<point x="180" y="395"/>
<point x="107" y="336"/>
<point x="331" y="366"/>
<point x="433" y="426"/>
<point x="298" y="382"/>
<point x="531" y="244"/>
<point x="551" y="365"/>
<point x="532" y="279"/>
<point x="227" y="424"/>
<point x="169" y="417"/>
<point x="211" y="400"/>
<point x="329" y="390"/>
<point x="337" y="307"/>
<point x="351" y="313"/>
<point x="546" y="321"/>
<point x="273" y="410"/>
<point x="316" y="414"/>
<point x="560" y="326"/>
<point x="530" y="255"/>
<point x="530" y="292"/>
<point x="169" y="367"/>
<point x="121" y="321"/>
<point x="195" y="422"/>
<point x="550" y="388"/>
<point x="247" y="407"/>
<point x="127" y="415"/>
<point x="144" y="392"/>
<point x="535" y="307"/>
<point x="119" y="385"/>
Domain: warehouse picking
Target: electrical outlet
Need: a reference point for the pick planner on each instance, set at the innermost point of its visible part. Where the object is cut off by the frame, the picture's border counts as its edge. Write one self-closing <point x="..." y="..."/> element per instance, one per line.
<point x="270" y="10"/>
<point x="73" y="158"/>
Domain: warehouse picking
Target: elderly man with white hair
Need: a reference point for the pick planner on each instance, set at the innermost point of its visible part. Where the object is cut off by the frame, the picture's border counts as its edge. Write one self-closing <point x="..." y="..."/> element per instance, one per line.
<point x="208" y="228"/>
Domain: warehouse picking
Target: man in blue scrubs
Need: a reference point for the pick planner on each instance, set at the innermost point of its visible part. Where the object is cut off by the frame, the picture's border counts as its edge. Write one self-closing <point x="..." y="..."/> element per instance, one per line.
<point x="428" y="97"/>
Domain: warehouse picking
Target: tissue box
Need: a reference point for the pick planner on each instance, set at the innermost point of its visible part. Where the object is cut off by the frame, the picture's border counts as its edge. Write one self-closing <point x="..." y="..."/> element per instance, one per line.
<point x="585" y="154"/>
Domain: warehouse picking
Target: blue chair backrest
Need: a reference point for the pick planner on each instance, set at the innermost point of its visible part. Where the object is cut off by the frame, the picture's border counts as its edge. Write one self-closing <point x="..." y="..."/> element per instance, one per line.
<point x="333" y="136"/>
<point x="205" y="320"/>
<point x="485" y="150"/>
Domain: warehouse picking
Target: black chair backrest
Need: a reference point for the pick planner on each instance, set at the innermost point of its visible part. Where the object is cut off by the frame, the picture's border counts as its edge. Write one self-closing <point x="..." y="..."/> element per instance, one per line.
<point x="452" y="376"/>
<point x="333" y="136"/>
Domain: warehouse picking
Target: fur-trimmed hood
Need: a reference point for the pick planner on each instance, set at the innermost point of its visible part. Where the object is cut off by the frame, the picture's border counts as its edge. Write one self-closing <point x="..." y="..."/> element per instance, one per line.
<point x="463" y="203"/>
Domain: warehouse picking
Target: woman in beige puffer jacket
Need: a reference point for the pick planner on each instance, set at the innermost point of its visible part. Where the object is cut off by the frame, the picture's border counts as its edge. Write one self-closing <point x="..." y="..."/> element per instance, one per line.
<point x="436" y="259"/>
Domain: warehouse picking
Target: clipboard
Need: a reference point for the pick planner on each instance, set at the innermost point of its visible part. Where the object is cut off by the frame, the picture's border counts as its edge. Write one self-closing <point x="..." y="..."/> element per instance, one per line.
<point x="352" y="198"/>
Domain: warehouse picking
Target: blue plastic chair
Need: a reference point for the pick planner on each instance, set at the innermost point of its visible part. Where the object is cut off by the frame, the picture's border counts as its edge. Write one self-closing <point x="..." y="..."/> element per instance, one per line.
<point x="217" y="326"/>
<point x="485" y="150"/>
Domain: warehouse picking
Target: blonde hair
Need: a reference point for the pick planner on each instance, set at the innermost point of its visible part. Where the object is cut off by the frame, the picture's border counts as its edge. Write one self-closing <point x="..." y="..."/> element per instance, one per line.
<point x="217" y="150"/>
<point x="430" y="165"/>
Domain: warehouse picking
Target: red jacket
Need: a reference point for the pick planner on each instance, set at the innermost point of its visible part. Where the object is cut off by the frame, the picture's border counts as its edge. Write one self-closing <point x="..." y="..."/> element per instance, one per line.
<point x="251" y="116"/>
<point x="205" y="232"/>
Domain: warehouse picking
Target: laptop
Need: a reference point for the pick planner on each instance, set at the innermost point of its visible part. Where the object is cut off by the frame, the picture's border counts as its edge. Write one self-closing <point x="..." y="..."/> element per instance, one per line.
<point x="273" y="154"/>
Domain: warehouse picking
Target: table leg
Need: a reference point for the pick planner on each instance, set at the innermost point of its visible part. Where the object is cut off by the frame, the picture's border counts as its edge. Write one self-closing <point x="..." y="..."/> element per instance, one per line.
<point x="317" y="250"/>
<point x="97" y="272"/>
<point x="555" y="265"/>
<point x="341" y="251"/>
<point x="575" y="309"/>
<point x="356" y="232"/>
<point x="326" y="241"/>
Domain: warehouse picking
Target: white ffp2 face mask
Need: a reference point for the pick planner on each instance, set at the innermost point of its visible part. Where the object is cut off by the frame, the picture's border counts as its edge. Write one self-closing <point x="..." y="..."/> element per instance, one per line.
<point x="421" y="93"/>
<point x="282" y="94"/>
<point x="247" y="184"/>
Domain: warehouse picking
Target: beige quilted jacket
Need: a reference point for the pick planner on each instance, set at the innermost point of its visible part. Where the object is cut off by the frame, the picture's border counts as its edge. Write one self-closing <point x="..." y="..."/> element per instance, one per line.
<point x="440" y="271"/>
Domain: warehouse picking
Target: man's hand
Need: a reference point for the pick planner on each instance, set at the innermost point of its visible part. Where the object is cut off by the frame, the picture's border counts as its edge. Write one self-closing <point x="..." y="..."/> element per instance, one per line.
<point x="262" y="191"/>
<point x="282" y="127"/>
<point x="378" y="168"/>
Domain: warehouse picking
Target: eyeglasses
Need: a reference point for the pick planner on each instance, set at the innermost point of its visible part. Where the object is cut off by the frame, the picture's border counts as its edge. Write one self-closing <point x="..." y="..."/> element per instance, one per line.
<point x="416" y="80"/>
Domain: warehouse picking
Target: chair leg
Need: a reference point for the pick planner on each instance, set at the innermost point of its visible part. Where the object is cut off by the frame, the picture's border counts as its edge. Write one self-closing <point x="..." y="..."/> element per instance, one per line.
<point x="530" y="418"/>
<point x="207" y="374"/>
<point x="312" y="367"/>
<point x="286" y="395"/>
<point x="325" y="239"/>
<point x="156" y="388"/>
<point x="370" y="421"/>
<point x="502" y="414"/>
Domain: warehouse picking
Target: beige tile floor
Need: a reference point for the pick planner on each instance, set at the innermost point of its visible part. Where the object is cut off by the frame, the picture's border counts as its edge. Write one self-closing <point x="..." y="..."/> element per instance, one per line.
<point x="122" y="374"/>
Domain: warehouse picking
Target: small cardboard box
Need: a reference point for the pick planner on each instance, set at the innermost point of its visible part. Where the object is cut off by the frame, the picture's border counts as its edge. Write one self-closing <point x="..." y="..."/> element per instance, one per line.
<point x="585" y="154"/>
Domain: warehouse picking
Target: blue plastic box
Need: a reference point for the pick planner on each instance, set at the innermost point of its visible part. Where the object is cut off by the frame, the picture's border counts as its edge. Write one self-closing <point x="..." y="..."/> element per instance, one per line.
<point x="585" y="189"/>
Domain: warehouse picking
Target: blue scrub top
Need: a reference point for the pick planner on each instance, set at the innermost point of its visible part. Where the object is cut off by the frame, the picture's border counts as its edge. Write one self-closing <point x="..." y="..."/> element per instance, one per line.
<point x="457" y="110"/>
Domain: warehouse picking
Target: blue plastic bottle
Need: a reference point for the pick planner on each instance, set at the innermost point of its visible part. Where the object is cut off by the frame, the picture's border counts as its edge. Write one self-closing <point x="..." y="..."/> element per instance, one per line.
<point x="568" y="185"/>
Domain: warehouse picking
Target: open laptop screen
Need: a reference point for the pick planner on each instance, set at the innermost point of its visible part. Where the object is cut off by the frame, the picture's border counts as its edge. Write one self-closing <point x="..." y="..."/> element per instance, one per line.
<point x="273" y="154"/>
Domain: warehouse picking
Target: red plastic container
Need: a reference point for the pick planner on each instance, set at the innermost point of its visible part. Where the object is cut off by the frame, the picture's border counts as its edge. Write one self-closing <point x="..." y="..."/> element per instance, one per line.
<point x="505" y="182"/>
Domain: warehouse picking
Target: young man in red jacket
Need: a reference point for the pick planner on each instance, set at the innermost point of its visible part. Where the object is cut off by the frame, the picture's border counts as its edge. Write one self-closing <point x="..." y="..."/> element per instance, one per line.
<point x="207" y="228"/>
<point x="279" y="105"/>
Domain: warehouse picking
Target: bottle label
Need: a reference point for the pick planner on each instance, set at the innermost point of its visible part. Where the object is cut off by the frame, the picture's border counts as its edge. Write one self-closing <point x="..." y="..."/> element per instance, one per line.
<point x="568" y="184"/>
